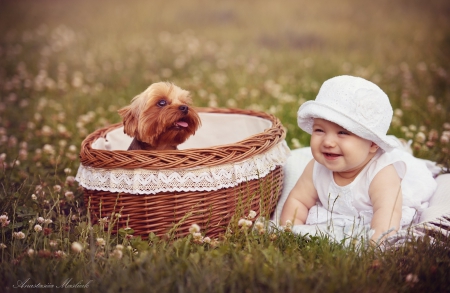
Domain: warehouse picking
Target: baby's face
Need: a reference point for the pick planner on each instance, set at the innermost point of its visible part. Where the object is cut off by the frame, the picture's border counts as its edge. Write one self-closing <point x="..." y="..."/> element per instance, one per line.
<point x="338" y="149"/>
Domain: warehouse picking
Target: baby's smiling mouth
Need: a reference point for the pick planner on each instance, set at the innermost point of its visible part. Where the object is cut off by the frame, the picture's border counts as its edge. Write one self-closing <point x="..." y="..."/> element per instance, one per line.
<point x="331" y="155"/>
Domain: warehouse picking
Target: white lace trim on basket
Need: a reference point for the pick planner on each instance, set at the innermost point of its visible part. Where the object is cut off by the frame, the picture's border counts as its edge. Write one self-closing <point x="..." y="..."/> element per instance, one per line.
<point x="143" y="181"/>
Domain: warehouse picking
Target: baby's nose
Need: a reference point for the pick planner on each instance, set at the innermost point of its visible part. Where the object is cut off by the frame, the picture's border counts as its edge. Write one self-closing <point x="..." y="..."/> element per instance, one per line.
<point x="184" y="109"/>
<point x="329" y="142"/>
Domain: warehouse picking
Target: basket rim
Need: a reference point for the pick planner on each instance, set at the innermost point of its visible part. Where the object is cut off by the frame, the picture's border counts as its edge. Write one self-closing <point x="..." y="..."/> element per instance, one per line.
<point x="188" y="158"/>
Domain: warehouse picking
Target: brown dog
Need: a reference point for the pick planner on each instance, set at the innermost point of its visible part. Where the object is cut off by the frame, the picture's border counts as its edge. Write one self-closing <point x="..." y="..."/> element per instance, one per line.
<point x="160" y="118"/>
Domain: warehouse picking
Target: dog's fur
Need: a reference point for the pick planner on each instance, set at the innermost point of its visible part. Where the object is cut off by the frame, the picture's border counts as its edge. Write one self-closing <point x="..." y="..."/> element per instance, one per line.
<point x="160" y="118"/>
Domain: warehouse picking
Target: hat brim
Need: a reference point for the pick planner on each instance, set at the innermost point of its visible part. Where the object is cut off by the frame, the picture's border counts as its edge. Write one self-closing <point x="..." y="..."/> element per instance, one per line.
<point x="313" y="109"/>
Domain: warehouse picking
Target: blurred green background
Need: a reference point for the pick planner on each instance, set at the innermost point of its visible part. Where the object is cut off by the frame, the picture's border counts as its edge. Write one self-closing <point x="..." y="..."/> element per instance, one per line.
<point x="263" y="55"/>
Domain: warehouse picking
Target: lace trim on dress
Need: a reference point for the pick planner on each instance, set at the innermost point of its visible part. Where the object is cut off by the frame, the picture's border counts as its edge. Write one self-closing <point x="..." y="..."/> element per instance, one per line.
<point x="143" y="181"/>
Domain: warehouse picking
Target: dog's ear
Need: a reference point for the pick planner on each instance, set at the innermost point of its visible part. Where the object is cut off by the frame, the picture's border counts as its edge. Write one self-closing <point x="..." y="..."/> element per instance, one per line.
<point x="130" y="121"/>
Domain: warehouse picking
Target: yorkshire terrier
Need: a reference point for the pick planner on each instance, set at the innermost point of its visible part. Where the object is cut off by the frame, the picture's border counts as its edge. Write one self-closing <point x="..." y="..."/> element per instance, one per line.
<point x="160" y="118"/>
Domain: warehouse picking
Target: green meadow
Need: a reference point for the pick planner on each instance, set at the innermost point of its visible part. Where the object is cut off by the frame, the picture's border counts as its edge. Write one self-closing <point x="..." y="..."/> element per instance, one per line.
<point x="66" y="67"/>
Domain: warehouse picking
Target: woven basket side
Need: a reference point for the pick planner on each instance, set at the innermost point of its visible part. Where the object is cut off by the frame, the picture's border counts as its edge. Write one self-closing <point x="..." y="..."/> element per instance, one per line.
<point x="177" y="211"/>
<point x="184" y="159"/>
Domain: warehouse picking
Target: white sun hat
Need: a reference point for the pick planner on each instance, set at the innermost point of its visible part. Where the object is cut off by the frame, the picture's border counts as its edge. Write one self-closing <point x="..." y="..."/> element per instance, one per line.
<point x="355" y="104"/>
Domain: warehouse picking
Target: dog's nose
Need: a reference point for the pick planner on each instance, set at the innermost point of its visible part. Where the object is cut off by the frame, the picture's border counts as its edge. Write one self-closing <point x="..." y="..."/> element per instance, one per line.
<point x="184" y="109"/>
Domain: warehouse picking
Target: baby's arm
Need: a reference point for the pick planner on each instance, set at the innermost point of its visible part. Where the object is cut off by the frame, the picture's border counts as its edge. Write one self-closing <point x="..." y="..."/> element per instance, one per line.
<point x="386" y="196"/>
<point x="301" y="198"/>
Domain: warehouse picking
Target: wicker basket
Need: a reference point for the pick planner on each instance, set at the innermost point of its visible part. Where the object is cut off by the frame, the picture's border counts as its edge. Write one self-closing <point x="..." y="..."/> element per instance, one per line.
<point x="176" y="211"/>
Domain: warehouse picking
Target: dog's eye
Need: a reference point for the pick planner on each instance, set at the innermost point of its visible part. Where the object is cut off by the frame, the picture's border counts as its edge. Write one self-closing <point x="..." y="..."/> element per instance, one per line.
<point x="162" y="103"/>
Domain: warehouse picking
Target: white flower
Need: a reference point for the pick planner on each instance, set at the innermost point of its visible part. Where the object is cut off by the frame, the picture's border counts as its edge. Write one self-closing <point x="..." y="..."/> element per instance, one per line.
<point x="2" y="246"/>
<point x="245" y="224"/>
<point x="37" y="228"/>
<point x="72" y="148"/>
<point x="207" y="240"/>
<point x="48" y="149"/>
<point x="69" y="195"/>
<point x="259" y="226"/>
<point x="103" y="221"/>
<point x="60" y="253"/>
<point x="4" y="220"/>
<point x="33" y="197"/>
<point x="70" y="180"/>
<point x="57" y="188"/>
<point x="30" y="252"/>
<point x="194" y="229"/>
<point x="412" y="278"/>
<point x="76" y="247"/>
<point x="117" y="253"/>
<point x="19" y="235"/>
<point x="420" y="137"/>
<point x="288" y="226"/>
<point x="48" y="221"/>
<point x="119" y="246"/>
<point x="40" y="220"/>
<point x="100" y="242"/>
<point x="197" y="236"/>
<point x="251" y="214"/>
<point x="398" y="112"/>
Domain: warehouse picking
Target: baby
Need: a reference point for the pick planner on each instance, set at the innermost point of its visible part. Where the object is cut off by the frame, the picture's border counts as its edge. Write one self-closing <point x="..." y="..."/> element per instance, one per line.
<point x="359" y="180"/>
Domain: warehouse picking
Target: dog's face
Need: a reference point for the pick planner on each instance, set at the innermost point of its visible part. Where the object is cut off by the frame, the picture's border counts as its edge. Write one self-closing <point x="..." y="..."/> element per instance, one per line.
<point x="161" y="116"/>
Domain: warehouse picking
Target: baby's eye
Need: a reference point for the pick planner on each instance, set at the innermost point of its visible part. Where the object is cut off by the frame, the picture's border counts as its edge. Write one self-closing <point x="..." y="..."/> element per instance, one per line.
<point x="317" y="130"/>
<point x="344" y="132"/>
<point x="162" y="103"/>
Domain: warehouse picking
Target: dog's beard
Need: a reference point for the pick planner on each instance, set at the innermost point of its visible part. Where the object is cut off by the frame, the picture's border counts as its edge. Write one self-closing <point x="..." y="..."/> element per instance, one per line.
<point x="167" y="126"/>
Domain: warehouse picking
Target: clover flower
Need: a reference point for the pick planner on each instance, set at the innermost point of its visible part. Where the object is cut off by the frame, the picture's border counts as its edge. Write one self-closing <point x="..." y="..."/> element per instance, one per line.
<point x="37" y="228"/>
<point x="244" y="224"/>
<point x="69" y="195"/>
<point x="2" y="246"/>
<point x="60" y="254"/>
<point x="214" y="242"/>
<point x="288" y="226"/>
<point x="260" y="227"/>
<point x="100" y="242"/>
<point x="273" y="236"/>
<point x="117" y="253"/>
<point x="70" y="180"/>
<point x="251" y="214"/>
<point x="411" y="278"/>
<point x="19" y="235"/>
<point x="4" y="220"/>
<point x="40" y="220"/>
<point x="420" y="137"/>
<point x="445" y="137"/>
<point x="76" y="247"/>
<point x="197" y="237"/>
<point x="194" y="228"/>
<point x="103" y="221"/>
<point x="72" y="148"/>
<point x="48" y="149"/>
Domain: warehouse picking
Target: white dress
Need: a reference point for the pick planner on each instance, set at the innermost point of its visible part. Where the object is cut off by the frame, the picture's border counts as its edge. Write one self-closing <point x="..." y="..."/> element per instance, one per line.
<point x="345" y="212"/>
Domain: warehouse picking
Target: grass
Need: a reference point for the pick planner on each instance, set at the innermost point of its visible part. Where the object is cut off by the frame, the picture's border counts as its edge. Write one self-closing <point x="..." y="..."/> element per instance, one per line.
<point x="66" y="67"/>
